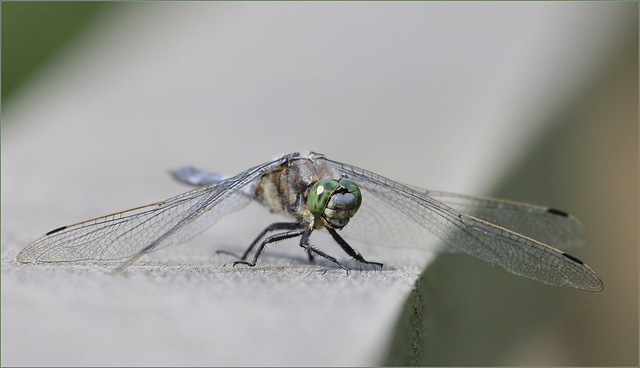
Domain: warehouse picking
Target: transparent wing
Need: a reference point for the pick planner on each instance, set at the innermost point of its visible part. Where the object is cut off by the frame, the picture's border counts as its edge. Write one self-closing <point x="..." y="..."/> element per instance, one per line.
<point x="400" y="215"/>
<point x="147" y="228"/>
<point x="546" y="225"/>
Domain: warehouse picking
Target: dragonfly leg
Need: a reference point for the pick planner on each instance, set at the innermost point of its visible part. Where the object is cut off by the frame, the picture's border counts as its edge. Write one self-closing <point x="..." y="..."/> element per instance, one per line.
<point x="271" y="239"/>
<point x="273" y="227"/>
<point x="304" y="243"/>
<point x="350" y="251"/>
<point x="311" y="257"/>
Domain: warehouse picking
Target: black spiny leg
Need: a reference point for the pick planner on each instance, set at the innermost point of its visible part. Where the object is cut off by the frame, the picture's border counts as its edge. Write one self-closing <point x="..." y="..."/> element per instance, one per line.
<point x="350" y="251"/>
<point x="304" y="243"/>
<point x="271" y="239"/>
<point x="311" y="257"/>
<point x="305" y="233"/>
<point x="273" y="227"/>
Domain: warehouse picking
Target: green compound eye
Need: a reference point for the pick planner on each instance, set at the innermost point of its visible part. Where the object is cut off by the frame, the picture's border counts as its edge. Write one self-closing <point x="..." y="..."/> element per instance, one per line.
<point x="320" y="194"/>
<point x="322" y="191"/>
<point x="353" y="189"/>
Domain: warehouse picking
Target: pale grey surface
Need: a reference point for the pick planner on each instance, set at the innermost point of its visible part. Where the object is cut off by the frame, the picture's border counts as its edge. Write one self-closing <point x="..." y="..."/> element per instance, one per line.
<point x="202" y="313"/>
<point x="443" y="96"/>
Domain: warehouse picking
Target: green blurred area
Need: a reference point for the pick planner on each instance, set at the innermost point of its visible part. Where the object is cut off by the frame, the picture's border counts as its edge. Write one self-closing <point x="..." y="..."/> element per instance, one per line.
<point x="34" y="31"/>
<point x="464" y="312"/>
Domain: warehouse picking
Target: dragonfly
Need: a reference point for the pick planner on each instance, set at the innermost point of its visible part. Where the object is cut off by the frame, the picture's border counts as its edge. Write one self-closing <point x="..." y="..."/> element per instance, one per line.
<point x="317" y="193"/>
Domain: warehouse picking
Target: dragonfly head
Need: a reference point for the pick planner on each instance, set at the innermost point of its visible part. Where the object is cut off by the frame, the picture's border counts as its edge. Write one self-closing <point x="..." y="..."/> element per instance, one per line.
<point x="334" y="201"/>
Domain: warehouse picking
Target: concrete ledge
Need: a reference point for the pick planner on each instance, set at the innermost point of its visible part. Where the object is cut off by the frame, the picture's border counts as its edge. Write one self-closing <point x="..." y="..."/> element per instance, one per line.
<point x="280" y="313"/>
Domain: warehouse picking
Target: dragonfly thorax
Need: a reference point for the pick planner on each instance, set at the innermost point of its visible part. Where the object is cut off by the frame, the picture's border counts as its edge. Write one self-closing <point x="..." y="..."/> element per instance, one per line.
<point x="334" y="201"/>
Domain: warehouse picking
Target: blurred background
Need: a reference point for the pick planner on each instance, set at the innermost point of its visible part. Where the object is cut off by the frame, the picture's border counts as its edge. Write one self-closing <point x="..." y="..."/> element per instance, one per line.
<point x="535" y="102"/>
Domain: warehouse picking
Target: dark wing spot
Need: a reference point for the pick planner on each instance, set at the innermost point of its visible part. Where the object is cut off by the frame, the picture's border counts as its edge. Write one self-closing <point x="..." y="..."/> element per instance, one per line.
<point x="56" y="230"/>
<point x="557" y="212"/>
<point x="572" y="258"/>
